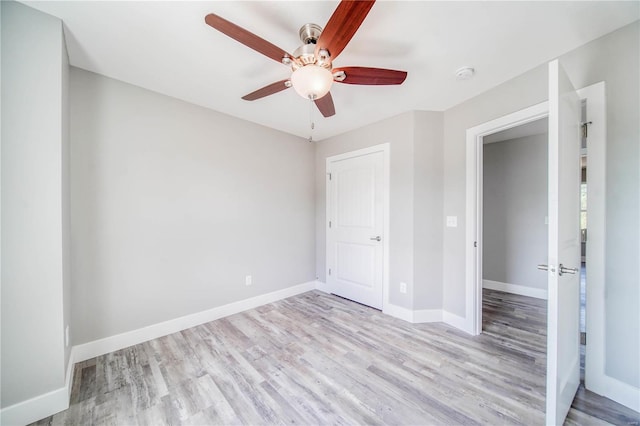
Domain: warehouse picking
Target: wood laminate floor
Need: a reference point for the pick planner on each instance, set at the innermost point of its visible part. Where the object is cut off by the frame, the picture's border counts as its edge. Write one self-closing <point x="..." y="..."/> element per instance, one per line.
<point x="317" y="359"/>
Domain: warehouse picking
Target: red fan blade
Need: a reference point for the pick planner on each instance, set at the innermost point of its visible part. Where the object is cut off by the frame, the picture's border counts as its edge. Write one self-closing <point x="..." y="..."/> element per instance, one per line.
<point x="245" y="37"/>
<point x="371" y="76"/>
<point x="342" y="25"/>
<point x="272" y="88"/>
<point x="325" y="105"/>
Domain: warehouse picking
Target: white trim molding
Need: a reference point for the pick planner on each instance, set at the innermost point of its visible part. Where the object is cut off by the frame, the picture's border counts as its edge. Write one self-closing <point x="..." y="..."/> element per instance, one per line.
<point x="37" y="408"/>
<point x="399" y="312"/>
<point x="522" y="290"/>
<point x="323" y="287"/>
<point x="41" y="406"/>
<point x="614" y="389"/>
<point x="456" y="321"/>
<point x="596" y="379"/>
<point x="120" y="341"/>
<point x="413" y="316"/>
<point x="405" y="314"/>
<point x="473" y="238"/>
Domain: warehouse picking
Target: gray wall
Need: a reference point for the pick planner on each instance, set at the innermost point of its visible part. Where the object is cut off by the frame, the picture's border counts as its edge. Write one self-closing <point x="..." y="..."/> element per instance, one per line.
<point x="428" y="223"/>
<point x="613" y="59"/>
<point x="514" y="233"/>
<point x="33" y="249"/>
<point x="415" y="202"/>
<point x="173" y="204"/>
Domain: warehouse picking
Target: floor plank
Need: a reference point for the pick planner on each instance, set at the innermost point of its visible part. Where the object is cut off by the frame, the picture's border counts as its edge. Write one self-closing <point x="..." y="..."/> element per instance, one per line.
<point x="320" y="359"/>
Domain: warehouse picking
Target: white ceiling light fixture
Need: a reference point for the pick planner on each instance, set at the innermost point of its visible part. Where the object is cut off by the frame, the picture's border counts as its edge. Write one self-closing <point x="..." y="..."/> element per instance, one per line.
<point x="312" y="81"/>
<point x="465" y="73"/>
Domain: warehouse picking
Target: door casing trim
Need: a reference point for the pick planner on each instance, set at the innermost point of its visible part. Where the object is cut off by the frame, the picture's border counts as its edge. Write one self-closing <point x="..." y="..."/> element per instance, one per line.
<point x="596" y="378"/>
<point x="473" y="235"/>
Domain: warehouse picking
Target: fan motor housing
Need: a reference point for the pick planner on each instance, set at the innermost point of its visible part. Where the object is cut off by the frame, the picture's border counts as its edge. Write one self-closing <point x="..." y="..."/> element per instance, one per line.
<point x="306" y="54"/>
<point x="309" y="33"/>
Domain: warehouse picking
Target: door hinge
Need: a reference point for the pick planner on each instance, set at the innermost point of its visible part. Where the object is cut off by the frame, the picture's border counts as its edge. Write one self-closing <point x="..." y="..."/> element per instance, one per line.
<point x="475" y="244"/>
<point x="329" y="271"/>
<point x="583" y="338"/>
<point x="329" y="224"/>
<point x="329" y="176"/>
<point x="585" y="128"/>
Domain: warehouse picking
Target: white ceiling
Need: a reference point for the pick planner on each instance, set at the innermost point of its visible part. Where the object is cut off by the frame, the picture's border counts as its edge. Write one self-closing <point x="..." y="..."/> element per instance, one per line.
<point x="165" y="46"/>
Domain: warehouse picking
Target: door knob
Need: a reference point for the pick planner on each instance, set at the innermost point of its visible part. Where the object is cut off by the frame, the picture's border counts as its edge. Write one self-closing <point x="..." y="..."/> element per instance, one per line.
<point x="378" y="238"/>
<point x="564" y="270"/>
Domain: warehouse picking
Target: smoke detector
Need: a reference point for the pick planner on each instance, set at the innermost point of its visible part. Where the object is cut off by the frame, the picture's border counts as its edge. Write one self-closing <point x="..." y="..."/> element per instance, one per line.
<point x="465" y="73"/>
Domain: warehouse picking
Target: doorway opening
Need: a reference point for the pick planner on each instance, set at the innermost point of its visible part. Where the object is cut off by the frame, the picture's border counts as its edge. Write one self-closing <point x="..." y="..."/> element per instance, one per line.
<point x="514" y="232"/>
<point x="474" y="202"/>
<point x="593" y="295"/>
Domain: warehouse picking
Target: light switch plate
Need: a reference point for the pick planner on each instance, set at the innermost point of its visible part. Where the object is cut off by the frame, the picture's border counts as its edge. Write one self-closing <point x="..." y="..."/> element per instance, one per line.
<point x="452" y="221"/>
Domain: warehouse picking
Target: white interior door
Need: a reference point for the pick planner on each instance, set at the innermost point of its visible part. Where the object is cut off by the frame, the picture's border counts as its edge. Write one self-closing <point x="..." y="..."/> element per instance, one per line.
<point x="355" y="232"/>
<point x="563" y="345"/>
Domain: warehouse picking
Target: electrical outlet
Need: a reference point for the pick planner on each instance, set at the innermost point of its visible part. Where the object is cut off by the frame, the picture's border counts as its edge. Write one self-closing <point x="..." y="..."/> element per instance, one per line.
<point x="403" y="288"/>
<point x="248" y="280"/>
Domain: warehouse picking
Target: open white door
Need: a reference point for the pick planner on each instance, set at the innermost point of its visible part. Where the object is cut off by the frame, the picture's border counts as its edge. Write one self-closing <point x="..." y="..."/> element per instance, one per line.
<point x="563" y="345"/>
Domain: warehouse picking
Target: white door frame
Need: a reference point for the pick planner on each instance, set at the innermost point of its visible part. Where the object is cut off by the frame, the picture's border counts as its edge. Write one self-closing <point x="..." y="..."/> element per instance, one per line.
<point x="596" y="379"/>
<point x="385" y="148"/>
<point x="475" y="136"/>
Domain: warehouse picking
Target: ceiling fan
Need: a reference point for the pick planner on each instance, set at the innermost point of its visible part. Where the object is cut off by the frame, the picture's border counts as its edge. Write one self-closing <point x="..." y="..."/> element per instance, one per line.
<point x="311" y="64"/>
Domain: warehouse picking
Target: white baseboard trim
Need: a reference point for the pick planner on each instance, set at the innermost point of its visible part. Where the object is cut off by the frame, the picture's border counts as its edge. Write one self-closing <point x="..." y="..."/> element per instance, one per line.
<point x="120" y="341"/>
<point x="522" y="290"/>
<point x="456" y="321"/>
<point x="398" y="312"/>
<point x="37" y="408"/>
<point x="413" y="316"/>
<point x="405" y="314"/>
<point x="323" y="287"/>
<point x="614" y="389"/>
<point x="41" y="406"/>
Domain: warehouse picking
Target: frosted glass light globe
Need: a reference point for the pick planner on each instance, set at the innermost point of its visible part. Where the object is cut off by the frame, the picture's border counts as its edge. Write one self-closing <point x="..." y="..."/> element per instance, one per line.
<point x="312" y="81"/>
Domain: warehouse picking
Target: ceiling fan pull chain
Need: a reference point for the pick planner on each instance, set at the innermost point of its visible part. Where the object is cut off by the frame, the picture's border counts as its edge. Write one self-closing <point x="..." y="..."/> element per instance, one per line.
<point x="313" y="125"/>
